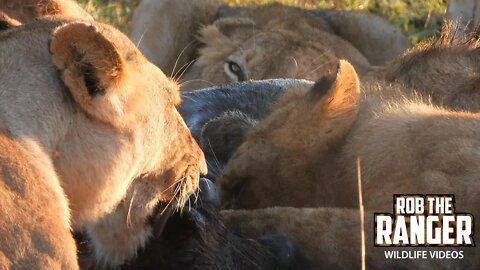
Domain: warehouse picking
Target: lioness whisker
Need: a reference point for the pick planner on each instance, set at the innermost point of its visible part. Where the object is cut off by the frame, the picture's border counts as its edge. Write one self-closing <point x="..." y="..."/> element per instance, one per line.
<point x="197" y="194"/>
<point x="214" y="155"/>
<point x="196" y="80"/>
<point x="321" y="54"/>
<point x="168" y="204"/>
<point x="130" y="208"/>
<point x="245" y="256"/>
<point x="254" y="38"/>
<point x="296" y="64"/>
<point x="180" y="55"/>
<point x="213" y="169"/>
<point x="141" y="37"/>
<point x="173" y="184"/>
<point x="315" y="69"/>
<point x="192" y="99"/>
<point x="184" y="69"/>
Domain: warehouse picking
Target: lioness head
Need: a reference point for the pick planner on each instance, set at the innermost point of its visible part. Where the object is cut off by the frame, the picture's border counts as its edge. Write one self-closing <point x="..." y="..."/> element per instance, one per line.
<point x="126" y="150"/>
<point x="238" y="49"/>
<point x="278" y="156"/>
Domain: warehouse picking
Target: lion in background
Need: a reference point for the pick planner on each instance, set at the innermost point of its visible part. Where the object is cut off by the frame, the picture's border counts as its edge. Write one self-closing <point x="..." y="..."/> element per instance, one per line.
<point x="90" y="140"/>
<point x="208" y="44"/>
<point x="444" y="70"/>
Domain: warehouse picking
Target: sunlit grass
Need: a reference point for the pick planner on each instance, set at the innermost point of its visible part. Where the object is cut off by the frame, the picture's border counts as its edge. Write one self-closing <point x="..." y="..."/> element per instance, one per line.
<point x="115" y="12"/>
<point x="418" y="19"/>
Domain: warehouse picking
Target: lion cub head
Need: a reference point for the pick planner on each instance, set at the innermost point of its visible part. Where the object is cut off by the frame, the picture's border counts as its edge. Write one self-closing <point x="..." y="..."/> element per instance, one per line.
<point x="278" y="156"/>
<point x="127" y="151"/>
<point x="240" y="49"/>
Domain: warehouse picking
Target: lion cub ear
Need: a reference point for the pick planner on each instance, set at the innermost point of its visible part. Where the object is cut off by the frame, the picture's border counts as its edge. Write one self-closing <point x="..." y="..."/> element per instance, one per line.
<point x="92" y="68"/>
<point x="337" y="99"/>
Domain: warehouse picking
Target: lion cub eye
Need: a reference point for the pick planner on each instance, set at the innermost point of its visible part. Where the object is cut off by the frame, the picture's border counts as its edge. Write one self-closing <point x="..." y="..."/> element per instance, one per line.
<point x="234" y="71"/>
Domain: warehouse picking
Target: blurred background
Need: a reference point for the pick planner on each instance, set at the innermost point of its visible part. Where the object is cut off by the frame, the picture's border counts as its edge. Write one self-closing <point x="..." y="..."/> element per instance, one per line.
<point x="419" y="19"/>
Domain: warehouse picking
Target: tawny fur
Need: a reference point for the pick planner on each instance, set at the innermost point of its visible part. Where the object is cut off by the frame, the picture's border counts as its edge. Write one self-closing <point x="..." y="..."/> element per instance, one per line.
<point x="197" y="38"/>
<point x="91" y="140"/>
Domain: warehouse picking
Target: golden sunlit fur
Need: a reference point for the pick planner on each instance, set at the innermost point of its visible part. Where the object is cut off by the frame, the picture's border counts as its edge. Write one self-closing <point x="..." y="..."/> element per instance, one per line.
<point x="90" y="140"/>
<point x="201" y="39"/>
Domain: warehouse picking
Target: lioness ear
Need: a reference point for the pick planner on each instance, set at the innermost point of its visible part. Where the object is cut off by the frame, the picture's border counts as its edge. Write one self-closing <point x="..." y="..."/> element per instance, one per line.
<point x="339" y="96"/>
<point x="92" y="68"/>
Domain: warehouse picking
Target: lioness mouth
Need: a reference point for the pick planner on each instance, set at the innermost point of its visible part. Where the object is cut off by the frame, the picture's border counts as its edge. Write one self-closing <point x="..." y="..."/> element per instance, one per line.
<point x="163" y="211"/>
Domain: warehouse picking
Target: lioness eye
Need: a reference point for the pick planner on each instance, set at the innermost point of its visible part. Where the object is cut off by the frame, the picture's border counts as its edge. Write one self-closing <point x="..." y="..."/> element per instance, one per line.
<point x="234" y="70"/>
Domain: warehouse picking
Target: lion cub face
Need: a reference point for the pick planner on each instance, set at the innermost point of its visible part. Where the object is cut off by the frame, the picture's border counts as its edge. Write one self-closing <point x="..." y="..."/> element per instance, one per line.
<point x="236" y="49"/>
<point x="278" y="157"/>
<point x="127" y="150"/>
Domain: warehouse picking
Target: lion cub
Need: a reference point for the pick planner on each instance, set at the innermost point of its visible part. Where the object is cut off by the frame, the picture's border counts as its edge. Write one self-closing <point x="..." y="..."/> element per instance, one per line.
<point x="304" y="153"/>
<point x="90" y="139"/>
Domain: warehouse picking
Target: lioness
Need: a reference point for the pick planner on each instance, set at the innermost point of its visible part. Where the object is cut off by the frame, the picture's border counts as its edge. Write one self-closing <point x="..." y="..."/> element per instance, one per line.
<point x="213" y="44"/>
<point x="90" y="140"/>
